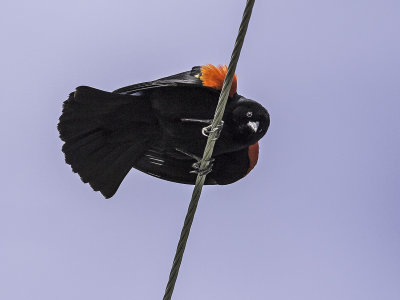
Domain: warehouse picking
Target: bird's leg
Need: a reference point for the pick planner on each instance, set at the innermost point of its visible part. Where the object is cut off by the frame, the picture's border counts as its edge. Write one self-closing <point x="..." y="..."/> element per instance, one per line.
<point x="203" y="121"/>
<point x="197" y="165"/>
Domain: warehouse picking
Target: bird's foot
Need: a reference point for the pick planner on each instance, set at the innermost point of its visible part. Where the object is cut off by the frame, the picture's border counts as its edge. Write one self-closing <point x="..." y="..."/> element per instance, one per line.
<point x="197" y="165"/>
<point x="203" y="171"/>
<point x="217" y="129"/>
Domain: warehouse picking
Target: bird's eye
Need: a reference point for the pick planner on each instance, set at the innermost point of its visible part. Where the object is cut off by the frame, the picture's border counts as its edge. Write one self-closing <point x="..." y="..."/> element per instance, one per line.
<point x="249" y="114"/>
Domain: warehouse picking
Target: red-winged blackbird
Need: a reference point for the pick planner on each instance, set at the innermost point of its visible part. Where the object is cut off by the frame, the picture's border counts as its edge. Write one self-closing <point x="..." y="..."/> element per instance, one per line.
<point x="156" y="127"/>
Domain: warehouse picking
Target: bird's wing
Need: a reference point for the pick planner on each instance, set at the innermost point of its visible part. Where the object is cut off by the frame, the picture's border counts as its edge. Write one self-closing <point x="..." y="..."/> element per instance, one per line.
<point x="206" y="76"/>
<point x="188" y="78"/>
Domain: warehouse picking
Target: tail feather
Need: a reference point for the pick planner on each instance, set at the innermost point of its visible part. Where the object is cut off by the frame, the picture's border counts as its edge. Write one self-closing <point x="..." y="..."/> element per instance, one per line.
<point x="104" y="134"/>
<point x="80" y="142"/>
<point x="116" y="166"/>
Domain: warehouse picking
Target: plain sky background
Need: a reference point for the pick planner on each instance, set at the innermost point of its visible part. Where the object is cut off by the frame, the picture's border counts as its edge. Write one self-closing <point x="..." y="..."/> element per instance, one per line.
<point x="317" y="219"/>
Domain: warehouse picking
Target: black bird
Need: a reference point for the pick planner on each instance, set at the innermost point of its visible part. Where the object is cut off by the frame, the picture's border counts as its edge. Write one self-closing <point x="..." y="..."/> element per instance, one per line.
<point x="157" y="128"/>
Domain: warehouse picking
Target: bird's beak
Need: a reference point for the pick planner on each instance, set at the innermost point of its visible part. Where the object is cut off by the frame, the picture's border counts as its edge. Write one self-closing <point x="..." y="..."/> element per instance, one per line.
<point x="253" y="125"/>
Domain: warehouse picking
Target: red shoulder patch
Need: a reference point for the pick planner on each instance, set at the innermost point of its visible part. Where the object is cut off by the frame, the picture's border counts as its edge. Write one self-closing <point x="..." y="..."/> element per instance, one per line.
<point x="253" y="156"/>
<point x="214" y="77"/>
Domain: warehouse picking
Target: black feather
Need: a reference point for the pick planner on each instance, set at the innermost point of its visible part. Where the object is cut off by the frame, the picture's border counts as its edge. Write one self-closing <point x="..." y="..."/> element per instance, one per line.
<point x="148" y="126"/>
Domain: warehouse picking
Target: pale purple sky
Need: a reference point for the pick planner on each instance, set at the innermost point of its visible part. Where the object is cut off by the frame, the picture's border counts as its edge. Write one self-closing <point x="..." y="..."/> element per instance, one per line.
<point x="317" y="219"/>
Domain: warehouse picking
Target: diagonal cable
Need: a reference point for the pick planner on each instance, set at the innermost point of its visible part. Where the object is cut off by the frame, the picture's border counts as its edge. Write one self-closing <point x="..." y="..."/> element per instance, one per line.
<point x="213" y="132"/>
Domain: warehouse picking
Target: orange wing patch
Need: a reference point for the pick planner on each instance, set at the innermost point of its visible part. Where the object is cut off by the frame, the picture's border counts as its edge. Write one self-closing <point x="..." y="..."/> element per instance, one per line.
<point x="214" y="77"/>
<point x="253" y="156"/>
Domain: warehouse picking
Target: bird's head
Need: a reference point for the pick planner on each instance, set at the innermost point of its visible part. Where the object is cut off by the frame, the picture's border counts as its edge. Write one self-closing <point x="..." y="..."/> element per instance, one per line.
<point x="249" y="121"/>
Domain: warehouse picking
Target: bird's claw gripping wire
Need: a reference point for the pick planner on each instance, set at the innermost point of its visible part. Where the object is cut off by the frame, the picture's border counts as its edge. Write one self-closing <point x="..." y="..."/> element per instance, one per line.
<point x="206" y="131"/>
<point x="197" y="165"/>
<point x="198" y="170"/>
